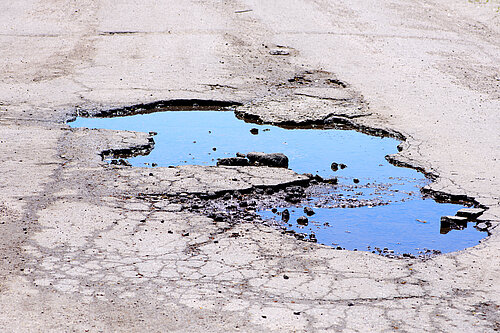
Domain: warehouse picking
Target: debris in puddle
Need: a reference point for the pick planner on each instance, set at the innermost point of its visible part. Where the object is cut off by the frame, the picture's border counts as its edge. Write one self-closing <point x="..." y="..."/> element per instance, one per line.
<point x="335" y="166"/>
<point x="285" y="215"/>
<point x="380" y="211"/>
<point x="449" y="223"/>
<point x="120" y="161"/>
<point x="278" y="160"/>
<point x="309" y="211"/>
<point x="233" y="161"/>
<point x="303" y="220"/>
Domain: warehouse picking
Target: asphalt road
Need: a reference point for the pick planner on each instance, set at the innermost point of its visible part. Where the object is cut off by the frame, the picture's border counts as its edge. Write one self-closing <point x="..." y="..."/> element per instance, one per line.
<point x="83" y="251"/>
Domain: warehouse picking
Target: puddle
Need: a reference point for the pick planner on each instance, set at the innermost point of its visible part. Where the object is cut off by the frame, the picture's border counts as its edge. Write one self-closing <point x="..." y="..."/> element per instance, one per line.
<point x="374" y="206"/>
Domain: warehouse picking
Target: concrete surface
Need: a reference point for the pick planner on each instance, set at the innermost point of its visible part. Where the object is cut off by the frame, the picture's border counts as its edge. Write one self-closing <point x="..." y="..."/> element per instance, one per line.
<point x="81" y="251"/>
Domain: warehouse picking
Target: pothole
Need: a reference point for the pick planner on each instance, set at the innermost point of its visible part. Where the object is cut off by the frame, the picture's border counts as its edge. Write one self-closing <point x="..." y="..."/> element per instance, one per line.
<point x="355" y="200"/>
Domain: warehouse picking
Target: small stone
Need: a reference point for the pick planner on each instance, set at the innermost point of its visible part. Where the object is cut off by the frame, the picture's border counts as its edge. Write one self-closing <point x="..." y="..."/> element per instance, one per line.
<point x="254" y="131"/>
<point x="214" y="149"/>
<point x="285" y="215"/>
<point x="342" y="166"/>
<point x="309" y="211"/>
<point x="303" y="220"/>
<point x="286" y="277"/>
<point x="334" y="166"/>
<point x="355" y="180"/>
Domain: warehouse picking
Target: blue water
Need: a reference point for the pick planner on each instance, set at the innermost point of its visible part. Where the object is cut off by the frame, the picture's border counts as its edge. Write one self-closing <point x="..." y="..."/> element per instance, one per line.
<point x="393" y="226"/>
<point x="201" y="137"/>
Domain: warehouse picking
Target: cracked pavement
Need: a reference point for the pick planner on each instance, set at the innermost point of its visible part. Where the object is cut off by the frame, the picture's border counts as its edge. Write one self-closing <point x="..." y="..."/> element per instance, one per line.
<point x="84" y="245"/>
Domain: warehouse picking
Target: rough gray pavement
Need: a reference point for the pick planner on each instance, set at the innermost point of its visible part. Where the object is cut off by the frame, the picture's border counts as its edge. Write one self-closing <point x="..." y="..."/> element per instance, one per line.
<point x="81" y="251"/>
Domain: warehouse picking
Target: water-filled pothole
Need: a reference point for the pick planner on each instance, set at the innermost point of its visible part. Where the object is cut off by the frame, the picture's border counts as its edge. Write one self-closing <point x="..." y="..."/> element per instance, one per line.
<point x="374" y="206"/>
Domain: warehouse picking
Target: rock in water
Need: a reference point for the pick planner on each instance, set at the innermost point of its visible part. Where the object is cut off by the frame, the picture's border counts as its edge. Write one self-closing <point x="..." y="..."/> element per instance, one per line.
<point x="335" y="166"/>
<point x="233" y="161"/>
<point x="449" y="223"/>
<point x="285" y="215"/>
<point x="277" y="160"/>
<point x="309" y="211"/>
<point x="303" y="220"/>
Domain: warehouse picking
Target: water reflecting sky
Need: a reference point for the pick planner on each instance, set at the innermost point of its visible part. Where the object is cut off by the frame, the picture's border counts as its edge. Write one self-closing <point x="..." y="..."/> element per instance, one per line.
<point x="407" y="224"/>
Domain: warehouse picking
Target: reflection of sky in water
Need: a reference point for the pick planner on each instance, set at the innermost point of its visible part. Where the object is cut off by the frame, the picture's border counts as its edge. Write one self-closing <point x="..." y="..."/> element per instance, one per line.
<point x="394" y="226"/>
<point x="189" y="138"/>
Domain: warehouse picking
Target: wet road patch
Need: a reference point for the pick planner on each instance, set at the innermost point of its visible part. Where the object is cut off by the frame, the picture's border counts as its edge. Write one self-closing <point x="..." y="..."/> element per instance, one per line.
<point x="356" y="199"/>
